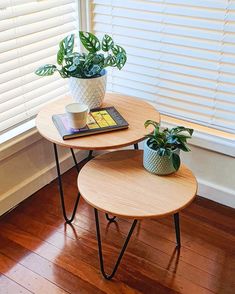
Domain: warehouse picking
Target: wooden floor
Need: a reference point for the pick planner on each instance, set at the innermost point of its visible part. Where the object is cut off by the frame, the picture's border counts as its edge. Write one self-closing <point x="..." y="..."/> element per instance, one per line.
<point x="39" y="254"/>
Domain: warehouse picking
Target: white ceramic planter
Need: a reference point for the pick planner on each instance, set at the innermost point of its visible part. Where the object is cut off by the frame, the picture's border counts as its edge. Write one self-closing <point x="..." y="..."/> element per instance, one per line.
<point x="156" y="164"/>
<point x="88" y="91"/>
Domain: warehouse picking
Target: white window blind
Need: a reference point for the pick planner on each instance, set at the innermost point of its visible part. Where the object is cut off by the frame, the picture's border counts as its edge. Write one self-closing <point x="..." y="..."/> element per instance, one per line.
<point x="181" y="55"/>
<point x="30" y="31"/>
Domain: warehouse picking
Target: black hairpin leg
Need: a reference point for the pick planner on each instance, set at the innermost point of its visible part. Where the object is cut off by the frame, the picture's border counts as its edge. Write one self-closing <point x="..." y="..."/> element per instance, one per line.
<point x="75" y="160"/>
<point x="68" y="220"/>
<point x="177" y="229"/>
<point x="89" y="157"/>
<point x="106" y="276"/>
<point x="110" y="219"/>
<point x="136" y="146"/>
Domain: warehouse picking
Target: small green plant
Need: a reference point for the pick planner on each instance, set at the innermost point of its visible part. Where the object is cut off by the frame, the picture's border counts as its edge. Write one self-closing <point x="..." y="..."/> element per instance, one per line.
<point x="167" y="141"/>
<point x="85" y="65"/>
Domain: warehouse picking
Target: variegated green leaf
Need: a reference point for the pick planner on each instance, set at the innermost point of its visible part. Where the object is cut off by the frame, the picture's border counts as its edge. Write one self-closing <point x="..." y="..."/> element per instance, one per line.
<point x="68" y="44"/>
<point x="63" y="73"/>
<point x="110" y="60"/>
<point x="120" y="60"/>
<point x="116" y="49"/>
<point x="89" y="41"/>
<point x="107" y="43"/>
<point x="66" y="48"/>
<point x="60" y="56"/>
<point x="46" y="70"/>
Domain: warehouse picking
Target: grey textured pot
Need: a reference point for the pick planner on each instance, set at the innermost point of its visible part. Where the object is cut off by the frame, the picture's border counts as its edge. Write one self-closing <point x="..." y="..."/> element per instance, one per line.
<point x="159" y="165"/>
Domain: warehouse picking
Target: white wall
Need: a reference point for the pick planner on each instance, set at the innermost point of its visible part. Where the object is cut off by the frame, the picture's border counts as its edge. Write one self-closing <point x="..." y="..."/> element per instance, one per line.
<point x="215" y="173"/>
<point x="29" y="169"/>
<point x="31" y="165"/>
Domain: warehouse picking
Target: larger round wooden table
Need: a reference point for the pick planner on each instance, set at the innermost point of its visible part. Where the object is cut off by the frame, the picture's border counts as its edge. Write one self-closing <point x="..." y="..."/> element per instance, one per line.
<point x="118" y="184"/>
<point x="134" y="110"/>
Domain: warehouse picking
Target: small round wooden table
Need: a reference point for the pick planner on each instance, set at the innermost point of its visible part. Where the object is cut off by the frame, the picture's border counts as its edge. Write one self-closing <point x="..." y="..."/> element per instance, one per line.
<point x="134" y="110"/>
<point x="117" y="183"/>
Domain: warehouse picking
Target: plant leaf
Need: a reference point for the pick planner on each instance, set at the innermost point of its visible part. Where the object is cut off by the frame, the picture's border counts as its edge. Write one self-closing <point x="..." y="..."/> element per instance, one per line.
<point x="120" y="60"/>
<point x="89" y="41"/>
<point x="182" y="129"/>
<point x="60" y="56"/>
<point x="110" y="60"/>
<point x="95" y="58"/>
<point x="168" y="153"/>
<point x="46" y="70"/>
<point x="63" y="73"/>
<point x="176" y="161"/>
<point x="172" y="140"/>
<point x="107" y="43"/>
<point x="151" y="122"/>
<point x="183" y="146"/>
<point x="66" y="47"/>
<point x="118" y="49"/>
<point x="68" y="44"/>
<point x="92" y="70"/>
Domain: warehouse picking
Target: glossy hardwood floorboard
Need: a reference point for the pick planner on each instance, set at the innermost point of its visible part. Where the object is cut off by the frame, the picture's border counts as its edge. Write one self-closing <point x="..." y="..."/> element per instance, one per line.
<point x="40" y="254"/>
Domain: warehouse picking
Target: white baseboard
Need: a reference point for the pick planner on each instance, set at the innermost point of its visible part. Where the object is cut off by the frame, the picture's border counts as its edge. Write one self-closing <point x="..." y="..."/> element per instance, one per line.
<point x="216" y="193"/>
<point x="37" y="181"/>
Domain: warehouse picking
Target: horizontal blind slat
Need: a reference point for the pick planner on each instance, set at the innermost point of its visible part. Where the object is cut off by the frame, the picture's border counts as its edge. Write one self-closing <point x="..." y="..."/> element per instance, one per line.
<point x="25" y="30"/>
<point x="21" y="10"/>
<point x="180" y="54"/>
<point x="23" y="75"/>
<point x="25" y="107"/>
<point x="32" y="48"/>
<point x="29" y="33"/>
<point x="23" y="96"/>
<point x="37" y="37"/>
<point x="164" y="37"/>
<point x="12" y="23"/>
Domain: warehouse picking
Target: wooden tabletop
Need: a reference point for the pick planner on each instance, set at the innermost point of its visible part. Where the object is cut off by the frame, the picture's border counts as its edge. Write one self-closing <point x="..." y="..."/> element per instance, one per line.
<point x="135" y="111"/>
<point x="117" y="183"/>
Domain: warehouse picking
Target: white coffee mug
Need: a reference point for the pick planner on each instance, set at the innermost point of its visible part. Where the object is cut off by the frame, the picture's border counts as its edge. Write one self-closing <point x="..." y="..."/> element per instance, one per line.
<point x="77" y="115"/>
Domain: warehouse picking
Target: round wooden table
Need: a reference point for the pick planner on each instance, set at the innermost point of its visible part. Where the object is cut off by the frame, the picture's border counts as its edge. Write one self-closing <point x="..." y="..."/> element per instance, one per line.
<point x="134" y="110"/>
<point x="117" y="183"/>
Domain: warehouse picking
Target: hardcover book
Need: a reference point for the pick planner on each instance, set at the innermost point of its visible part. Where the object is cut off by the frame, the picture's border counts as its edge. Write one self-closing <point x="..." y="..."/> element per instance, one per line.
<point x="100" y="120"/>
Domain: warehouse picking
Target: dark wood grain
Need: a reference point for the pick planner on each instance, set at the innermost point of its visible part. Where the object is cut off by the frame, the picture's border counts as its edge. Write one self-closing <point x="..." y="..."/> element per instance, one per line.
<point x="38" y="252"/>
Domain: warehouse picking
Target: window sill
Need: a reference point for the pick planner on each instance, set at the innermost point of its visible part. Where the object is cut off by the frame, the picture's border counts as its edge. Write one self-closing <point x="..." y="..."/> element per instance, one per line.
<point x="205" y="137"/>
<point x="17" y="139"/>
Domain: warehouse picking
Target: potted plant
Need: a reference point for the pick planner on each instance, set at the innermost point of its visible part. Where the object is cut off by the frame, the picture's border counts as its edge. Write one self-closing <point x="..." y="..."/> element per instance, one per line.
<point x="162" y="148"/>
<point x="86" y="72"/>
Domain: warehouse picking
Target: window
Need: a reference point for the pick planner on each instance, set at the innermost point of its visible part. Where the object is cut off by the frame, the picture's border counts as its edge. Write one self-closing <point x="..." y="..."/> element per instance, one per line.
<point x="181" y="55"/>
<point x="30" y="31"/>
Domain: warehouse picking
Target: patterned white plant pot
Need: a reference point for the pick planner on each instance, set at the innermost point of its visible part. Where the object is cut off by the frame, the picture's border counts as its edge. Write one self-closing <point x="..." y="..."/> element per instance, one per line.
<point x="156" y="164"/>
<point x="89" y="91"/>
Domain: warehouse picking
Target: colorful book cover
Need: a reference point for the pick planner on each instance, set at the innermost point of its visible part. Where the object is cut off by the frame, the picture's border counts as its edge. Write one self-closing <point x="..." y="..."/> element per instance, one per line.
<point x="100" y="120"/>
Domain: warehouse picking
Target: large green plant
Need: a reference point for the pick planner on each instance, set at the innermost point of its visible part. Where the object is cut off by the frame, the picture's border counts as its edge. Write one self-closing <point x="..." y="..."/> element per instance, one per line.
<point x="85" y="65"/>
<point x="167" y="141"/>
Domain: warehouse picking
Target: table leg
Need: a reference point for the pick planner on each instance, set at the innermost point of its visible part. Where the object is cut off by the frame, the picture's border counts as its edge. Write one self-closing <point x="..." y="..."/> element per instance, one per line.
<point x="136" y="146"/>
<point x="110" y="219"/>
<point x="68" y="220"/>
<point x="177" y="228"/>
<point x="107" y="276"/>
<point x="90" y="155"/>
<point x="75" y="160"/>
